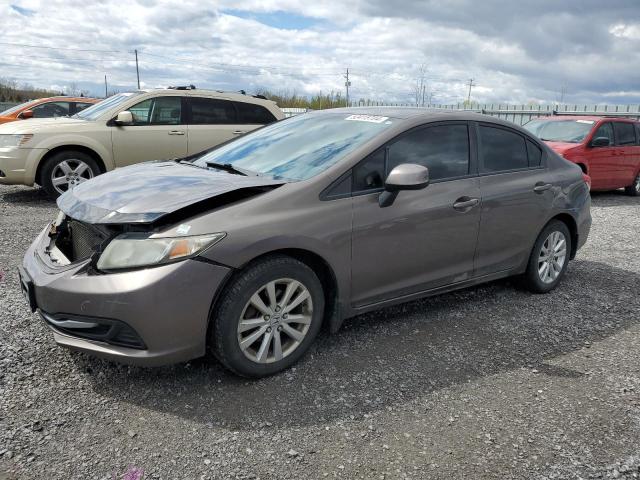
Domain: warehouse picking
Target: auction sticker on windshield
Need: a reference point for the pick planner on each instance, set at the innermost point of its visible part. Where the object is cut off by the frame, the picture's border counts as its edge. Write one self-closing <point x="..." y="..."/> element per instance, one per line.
<point x="367" y="118"/>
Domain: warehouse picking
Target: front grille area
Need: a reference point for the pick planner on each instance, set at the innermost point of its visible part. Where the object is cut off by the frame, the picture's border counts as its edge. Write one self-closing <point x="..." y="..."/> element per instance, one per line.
<point x="113" y="332"/>
<point x="84" y="239"/>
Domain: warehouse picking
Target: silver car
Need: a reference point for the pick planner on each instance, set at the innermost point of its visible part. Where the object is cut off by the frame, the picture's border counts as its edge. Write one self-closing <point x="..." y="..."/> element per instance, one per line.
<point x="248" y="249"/>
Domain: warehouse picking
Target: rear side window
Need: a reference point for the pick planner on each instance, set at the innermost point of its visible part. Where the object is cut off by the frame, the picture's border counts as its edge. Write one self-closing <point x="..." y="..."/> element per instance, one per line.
<point x="534" y="153"/>
<point x="82" y="106"/>
<point x="443" y="149"/>
<point x="625" y="133"/>
<point x="249" y="113"/>
<point x="502" y="150"/>
<point x="212" y="111"/>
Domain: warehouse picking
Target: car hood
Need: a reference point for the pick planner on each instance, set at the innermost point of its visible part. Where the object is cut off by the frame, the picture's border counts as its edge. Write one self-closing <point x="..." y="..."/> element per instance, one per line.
<point x="561" y="147"/>
<point x="36" y="124"/>
<point x="145" y="192"/>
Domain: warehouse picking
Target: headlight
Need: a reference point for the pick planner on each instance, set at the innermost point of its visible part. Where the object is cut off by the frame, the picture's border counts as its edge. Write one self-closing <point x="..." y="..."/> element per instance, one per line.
<point x="14" y="140"/>
<point x="131" y="250"/>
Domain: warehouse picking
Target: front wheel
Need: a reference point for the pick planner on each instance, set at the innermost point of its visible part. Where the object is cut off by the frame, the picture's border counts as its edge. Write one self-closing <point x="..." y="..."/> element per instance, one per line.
<point x="634" y="188"/>
<point x="268" y="317"/>
<point x="549" y="258"/>
<point x="65" y="170"/>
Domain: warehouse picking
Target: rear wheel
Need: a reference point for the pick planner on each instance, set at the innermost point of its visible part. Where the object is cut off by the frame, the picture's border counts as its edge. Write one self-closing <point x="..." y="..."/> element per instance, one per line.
<point x="634" y="188"/>
<point x="549" y="259"/>
<point x="65" y="170"/>
<point x="267" y="317"/>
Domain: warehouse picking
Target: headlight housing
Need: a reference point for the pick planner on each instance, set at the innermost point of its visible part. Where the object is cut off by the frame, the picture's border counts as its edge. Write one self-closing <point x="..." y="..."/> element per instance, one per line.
<point x="14" y="140"/>
<point x="133" y="250"/>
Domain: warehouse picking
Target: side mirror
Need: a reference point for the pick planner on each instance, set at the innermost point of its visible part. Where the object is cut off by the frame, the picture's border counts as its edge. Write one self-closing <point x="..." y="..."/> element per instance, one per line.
<point x="124" y="118"/>
<point x="407" y="176"/>
<point x="600" y="142"/>
<point x="26" y="114"/>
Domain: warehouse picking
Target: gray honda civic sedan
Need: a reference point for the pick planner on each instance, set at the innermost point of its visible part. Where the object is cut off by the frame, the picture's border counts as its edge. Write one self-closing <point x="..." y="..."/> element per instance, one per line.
<point x="248" y="249"/>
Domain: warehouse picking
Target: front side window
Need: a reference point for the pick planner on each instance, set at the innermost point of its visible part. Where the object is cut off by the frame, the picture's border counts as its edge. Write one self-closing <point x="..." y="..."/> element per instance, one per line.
<point x="567" y="131"/>
<point x="443" y="149"/>
<point x="502" y="150"/>
<point x="369" y="174"/>
<point x="299" y="147"/>
<point x="52" y="109"/>
<point x="604" y="131"/>
<point x="625" y="133"/>
<point x="212" y="111"/>
<point x="157" y="111"/>
<point x="252" y="114"/>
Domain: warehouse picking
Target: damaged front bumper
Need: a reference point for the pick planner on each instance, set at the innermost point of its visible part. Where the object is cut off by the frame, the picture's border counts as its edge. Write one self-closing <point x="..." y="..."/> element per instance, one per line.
<point x="153" y="316"/>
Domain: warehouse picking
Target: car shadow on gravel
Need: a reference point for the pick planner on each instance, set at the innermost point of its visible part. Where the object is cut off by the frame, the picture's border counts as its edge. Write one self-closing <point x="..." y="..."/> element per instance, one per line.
<point x="31" y="196"/>
<point x="616" y="198"/>
<point x="394" y="355"/>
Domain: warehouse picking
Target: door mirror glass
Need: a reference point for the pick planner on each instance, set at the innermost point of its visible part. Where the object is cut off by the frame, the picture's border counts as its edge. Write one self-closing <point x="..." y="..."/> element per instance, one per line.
<point x="26" y="114"/>
<point x="406" y="176"/>
<point x="124" y="118"/>
<point x="600" y="142"/>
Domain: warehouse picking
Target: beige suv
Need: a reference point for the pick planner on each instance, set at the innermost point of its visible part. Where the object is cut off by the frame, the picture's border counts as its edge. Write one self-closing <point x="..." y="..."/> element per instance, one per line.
<point x="59" y="153"/>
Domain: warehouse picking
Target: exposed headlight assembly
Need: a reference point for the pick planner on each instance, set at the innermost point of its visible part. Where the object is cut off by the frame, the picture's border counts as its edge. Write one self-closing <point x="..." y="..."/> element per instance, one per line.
<point x="132" y="250"/>
<point x="14" y="140"/>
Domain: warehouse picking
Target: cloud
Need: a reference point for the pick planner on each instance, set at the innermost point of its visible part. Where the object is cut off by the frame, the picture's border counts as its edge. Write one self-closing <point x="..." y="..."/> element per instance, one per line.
<point x="516" y="51"/>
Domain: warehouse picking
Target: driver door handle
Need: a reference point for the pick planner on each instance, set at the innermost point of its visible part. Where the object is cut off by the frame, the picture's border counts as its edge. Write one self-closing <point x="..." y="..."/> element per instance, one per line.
<point x="176" y="132"/>
<point x="465" y="203"/>
<point x="541" y="187"/>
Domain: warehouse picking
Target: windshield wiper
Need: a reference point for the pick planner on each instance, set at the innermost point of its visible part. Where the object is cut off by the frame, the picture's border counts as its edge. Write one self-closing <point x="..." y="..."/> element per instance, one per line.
<point x="227" y="167"/>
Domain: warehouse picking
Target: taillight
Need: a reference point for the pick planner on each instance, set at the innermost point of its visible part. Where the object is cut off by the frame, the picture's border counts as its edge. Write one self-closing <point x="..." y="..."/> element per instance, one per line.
<point x="587" y="179"/>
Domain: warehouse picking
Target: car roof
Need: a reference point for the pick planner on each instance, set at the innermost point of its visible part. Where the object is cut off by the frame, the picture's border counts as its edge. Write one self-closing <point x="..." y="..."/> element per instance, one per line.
<point x="594" y="118"/>
<point x="240" y="97"/>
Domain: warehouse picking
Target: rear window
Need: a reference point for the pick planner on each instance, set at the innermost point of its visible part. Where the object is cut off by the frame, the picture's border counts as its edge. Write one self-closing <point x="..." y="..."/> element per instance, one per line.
<point x="625" y="133"/>
<point x="249" y="113"/>
<point x="568" y="131"/>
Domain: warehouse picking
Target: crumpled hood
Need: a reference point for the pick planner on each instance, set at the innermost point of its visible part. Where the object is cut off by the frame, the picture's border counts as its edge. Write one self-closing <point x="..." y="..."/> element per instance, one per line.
<point x="145" y="192"/>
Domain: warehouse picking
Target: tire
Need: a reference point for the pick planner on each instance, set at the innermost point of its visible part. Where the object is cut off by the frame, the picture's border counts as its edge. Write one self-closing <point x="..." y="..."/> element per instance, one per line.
<point x="236" y="304"/>
<point x="545" y="281"/>
<point x="70" y="167"/>
<point x="634" y="189"/>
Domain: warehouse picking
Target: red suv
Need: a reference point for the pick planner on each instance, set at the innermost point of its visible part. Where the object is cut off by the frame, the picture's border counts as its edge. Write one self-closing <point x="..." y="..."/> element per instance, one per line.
<point x="607" y="149"/>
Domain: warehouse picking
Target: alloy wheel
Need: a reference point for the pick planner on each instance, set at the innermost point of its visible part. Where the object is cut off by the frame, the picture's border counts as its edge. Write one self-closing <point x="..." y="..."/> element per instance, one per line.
<point x="69" y="173"/>
<point x="275" y="320"/>
<point x="553" y="254"/>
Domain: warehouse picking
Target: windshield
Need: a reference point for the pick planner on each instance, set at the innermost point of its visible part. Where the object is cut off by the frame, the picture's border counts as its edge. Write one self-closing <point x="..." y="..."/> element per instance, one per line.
<point x="570" y="131"/>
<point x="299" y="147"/>
<point x="92" y="113"/>
<point x="16" y="108"/>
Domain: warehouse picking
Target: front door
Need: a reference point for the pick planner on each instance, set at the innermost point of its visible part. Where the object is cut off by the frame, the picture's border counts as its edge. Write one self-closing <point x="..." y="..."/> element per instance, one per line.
<point x="157" y="132"/>
<point x="426" y="238"/>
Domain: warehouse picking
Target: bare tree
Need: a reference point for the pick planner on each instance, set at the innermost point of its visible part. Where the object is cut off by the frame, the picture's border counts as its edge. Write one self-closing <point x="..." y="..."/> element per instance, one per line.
<point x="420" y="89"/>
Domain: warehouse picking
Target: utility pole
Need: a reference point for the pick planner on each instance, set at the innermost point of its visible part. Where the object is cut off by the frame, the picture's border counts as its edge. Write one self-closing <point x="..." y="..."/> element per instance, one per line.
<point x="469" y="96"/>
<point x="106" y="94"/>
<point x="137" y="70"/>
<point x="347" y="84"/>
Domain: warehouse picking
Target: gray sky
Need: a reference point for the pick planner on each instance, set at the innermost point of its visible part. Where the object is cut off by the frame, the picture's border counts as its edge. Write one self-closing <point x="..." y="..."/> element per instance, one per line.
<point x="517" y="51"/>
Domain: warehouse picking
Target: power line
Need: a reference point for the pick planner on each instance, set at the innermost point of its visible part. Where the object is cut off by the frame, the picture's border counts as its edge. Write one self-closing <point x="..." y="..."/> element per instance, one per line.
<point x="60" y="48"/>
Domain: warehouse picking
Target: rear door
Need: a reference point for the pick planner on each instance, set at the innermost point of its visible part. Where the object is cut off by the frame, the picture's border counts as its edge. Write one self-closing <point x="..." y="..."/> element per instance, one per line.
<point x="517" y="195"/>
<point x="602" y="161"/>
<point x="426" y="238"/>
<point x="212" y="121"/>
<point x="157" y="133"/>
<point x="627" y="154"/>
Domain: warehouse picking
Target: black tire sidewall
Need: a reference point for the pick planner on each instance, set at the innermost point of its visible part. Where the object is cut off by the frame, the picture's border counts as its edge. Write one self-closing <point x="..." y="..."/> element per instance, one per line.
<point x="54" y="160"/>
<point x="532" y="278"/>
<point x="235" y="296"/>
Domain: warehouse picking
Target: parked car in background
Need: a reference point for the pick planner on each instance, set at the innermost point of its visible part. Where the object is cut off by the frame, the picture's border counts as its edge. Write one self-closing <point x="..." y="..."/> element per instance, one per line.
<point x="249" y="248"/>
<point x="127" y="128"/>
<point x="607" y="149"/>
<point x="47" y="108"/>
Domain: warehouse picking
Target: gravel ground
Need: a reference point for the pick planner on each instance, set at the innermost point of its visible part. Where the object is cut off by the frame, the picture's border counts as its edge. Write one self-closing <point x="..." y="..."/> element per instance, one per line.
<point x="489" y="382"/>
